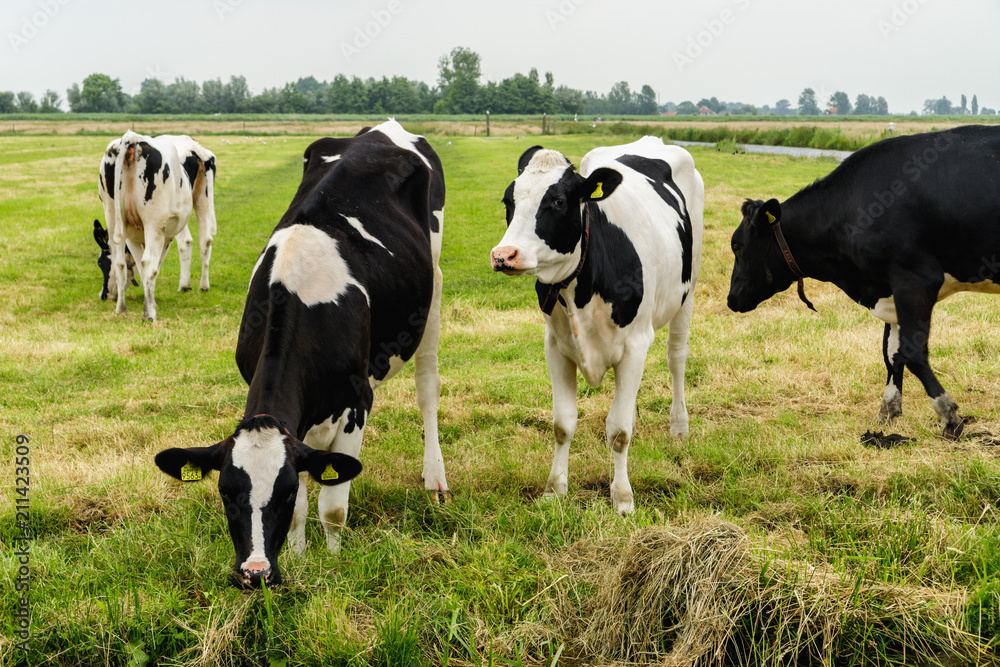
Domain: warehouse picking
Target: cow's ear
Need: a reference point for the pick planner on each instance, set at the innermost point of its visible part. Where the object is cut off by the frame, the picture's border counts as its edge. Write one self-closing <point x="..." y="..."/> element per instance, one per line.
<point x="101" y="235"/>
<point x="327" y="468"/>
<point x="525" y="158"/>
<point x="600" y="184"/>
<point x="192" y="463"/>
<point x="769" y="213"/>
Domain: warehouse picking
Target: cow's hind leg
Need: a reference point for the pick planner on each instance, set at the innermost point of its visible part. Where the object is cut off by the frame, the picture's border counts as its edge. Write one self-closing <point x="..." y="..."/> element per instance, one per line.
<point x="185" y="242"/>
<point x="152" y="257"/>
<point x="428" y="383"/>
<point x="204" y="209"/>
<point x="621" y="418"/>
<point x="914" y="312"/>
<point x="892" y="399"/>
<point x="562" y="372"/>
<point x="677" y="356"/>
<point x="348" y="433"/>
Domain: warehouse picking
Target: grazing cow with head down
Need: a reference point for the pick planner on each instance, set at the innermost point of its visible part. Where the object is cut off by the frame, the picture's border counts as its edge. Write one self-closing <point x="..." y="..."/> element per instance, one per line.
<point x="898" y="226"/>
<point x="104" y="263"/>
<point x="346" y="290"/>
<point x="616" y="250"/>
<point x="148" y="186"/>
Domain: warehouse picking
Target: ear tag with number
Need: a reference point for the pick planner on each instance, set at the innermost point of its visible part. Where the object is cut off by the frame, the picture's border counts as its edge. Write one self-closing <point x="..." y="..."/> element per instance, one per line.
<point x="598" y="192"/>
<point x="329" y="473"/>
<point x="190" y="473"/>
<point x="770" y="217"/>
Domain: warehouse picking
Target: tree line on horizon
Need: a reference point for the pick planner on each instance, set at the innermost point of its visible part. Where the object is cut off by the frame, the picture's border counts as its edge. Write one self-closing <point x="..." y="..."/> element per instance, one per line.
<point x="458" y="91"/>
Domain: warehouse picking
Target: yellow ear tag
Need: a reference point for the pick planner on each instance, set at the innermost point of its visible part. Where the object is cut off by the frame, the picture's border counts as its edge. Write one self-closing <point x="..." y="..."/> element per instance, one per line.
<point x="329" y="473"/>
<point x="770" y="217"/>
<point x="598" y="192"/>
<point x="190" y="473"/>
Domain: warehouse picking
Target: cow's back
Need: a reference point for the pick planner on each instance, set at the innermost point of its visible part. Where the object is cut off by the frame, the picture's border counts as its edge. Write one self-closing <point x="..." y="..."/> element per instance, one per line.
<point x="660" y="206"/>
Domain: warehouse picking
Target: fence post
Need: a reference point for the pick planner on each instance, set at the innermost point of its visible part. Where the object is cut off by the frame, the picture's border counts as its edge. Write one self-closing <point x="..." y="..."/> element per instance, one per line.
<point x="487" y="123"/>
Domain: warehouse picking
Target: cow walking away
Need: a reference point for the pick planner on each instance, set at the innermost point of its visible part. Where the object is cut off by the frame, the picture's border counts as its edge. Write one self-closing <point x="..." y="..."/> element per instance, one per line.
<point x="616" y="251"/>
<point x="149" y="186"/>
<point x="898" y="226"/>
<point x="346" y="290"/>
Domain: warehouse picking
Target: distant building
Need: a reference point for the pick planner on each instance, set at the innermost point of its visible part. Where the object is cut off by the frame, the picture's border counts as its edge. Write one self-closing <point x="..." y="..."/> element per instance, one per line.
<point x="669" y="113"/>
<point x="705" y="111"/>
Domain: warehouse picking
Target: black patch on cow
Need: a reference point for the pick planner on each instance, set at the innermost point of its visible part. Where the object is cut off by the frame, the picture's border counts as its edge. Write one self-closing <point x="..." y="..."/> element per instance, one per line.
<point x="612" y="270"/>
<point x="355" y="419"/>
<point x="522" y="162"/>
<point x="166" y="172"/>
<point x="557" y="220"/>
<point x="154" y="161"/>
<point x="190" y="165"/>
<point x="659" y="174"/>
<point x="109" y="179"/>
<point x="508" y="202"/>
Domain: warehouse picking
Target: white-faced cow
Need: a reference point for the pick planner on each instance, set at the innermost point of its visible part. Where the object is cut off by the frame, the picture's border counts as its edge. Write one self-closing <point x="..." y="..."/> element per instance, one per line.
<point x="346" y="290"/>
<point x="898" y="226"/>
<point x="148" y="186"/>
<point x="616" y="251"/>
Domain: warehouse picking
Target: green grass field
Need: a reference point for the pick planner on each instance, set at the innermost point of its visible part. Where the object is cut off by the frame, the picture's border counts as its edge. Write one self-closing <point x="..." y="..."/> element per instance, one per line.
<point x="770" y="536"/>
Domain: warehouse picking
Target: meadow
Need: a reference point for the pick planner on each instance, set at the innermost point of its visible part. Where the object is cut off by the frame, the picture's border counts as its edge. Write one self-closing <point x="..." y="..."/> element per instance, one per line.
<point x="771" y="535"/>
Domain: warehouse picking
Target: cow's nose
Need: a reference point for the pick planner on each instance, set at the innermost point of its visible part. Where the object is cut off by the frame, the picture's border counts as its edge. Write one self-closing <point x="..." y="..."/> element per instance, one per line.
<point x="505" y="257"/>
<point x="252" y="574"/>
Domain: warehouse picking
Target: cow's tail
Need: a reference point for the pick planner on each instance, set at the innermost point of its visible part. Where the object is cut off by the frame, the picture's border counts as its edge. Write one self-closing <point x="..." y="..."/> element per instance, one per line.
<point x="124" y="185"/>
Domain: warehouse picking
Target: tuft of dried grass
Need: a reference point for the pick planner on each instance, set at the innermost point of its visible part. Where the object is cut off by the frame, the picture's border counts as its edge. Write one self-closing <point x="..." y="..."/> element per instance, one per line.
<point x="709" y="593"/>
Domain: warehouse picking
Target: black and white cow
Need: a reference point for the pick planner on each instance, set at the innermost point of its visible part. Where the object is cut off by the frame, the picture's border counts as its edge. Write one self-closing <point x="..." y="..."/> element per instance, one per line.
<point x="616" y="251"/>
<point x="898" y="226"/>
<point x="346" y="290"/>
<point x="148" y="186"/>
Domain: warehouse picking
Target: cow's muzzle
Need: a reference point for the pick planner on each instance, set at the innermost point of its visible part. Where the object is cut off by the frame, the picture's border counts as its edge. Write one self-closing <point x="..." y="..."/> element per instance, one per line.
<point x="507" y="259"/>
<point x="251" y="575"/>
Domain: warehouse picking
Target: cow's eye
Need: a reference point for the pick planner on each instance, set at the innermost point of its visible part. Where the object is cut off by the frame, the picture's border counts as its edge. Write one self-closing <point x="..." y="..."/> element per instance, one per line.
<point x="560" y="202"/>
<point x="737" y="247"/>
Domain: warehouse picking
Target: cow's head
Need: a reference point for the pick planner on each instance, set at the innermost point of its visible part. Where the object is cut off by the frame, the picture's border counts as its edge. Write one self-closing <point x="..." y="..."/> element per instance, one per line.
<point x="259" y="468"/>
<point x="544" y="223"/>
<point x="760" y="270"/>
<point x="104" y="261"/>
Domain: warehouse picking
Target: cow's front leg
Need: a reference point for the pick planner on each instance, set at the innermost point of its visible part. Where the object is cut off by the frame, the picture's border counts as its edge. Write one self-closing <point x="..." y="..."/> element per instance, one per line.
<point x="892" y="399"/>
<point x="914" y="311"/>
<point x="562" y="372"/>
<point x="428" y="383"/>
<point x="621" y="418"/>
<point x="350" y="429"/>
<point x="678" y="349"/>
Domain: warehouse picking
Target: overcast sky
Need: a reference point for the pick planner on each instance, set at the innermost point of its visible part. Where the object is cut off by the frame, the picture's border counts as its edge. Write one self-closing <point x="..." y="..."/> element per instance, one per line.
<point x="753" y="51"/>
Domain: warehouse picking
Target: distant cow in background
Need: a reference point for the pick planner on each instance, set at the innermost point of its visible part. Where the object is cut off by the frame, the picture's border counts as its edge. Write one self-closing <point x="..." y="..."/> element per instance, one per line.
<point x="148" y="186"/>
<point x="898" y="226"/>
<point x="616" y="250"/>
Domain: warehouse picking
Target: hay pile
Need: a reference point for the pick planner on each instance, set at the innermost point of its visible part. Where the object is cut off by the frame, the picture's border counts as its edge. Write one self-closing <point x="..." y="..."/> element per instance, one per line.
<point x="706" y="594"/>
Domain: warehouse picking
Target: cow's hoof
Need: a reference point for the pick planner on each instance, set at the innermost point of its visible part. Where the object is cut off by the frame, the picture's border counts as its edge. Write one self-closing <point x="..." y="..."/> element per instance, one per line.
<point x="440" y="496"/>
<point x="185" y="288"/>
<point x="203" y="289"/>
<point x="954" y="431"/>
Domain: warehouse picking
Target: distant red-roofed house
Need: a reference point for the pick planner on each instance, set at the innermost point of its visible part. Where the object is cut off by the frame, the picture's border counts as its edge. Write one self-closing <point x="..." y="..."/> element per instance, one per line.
<point x="705" y="111"/>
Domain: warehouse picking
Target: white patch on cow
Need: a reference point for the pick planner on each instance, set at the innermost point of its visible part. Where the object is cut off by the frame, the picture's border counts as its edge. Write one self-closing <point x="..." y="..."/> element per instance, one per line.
<point x="256" y="266"/>
<point x="305" y="160"/>
<point x="354" y="222"/>
<point x="395" y="365"/>
<point x="330" y="158"/>
<point x="261" y="455"/>
<point x="885" y="310"/>
<point x="395" y="132"/>
<point x="309" y="264"/>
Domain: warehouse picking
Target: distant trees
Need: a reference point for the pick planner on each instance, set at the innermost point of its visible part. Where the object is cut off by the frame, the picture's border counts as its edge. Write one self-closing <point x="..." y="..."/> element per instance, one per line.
<point x="841" y="102"/>
<point x="871" y="106"/>
<point x="975" y="106"/>
<point x="807" y="103"/>
<point x="458" y="79"/>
